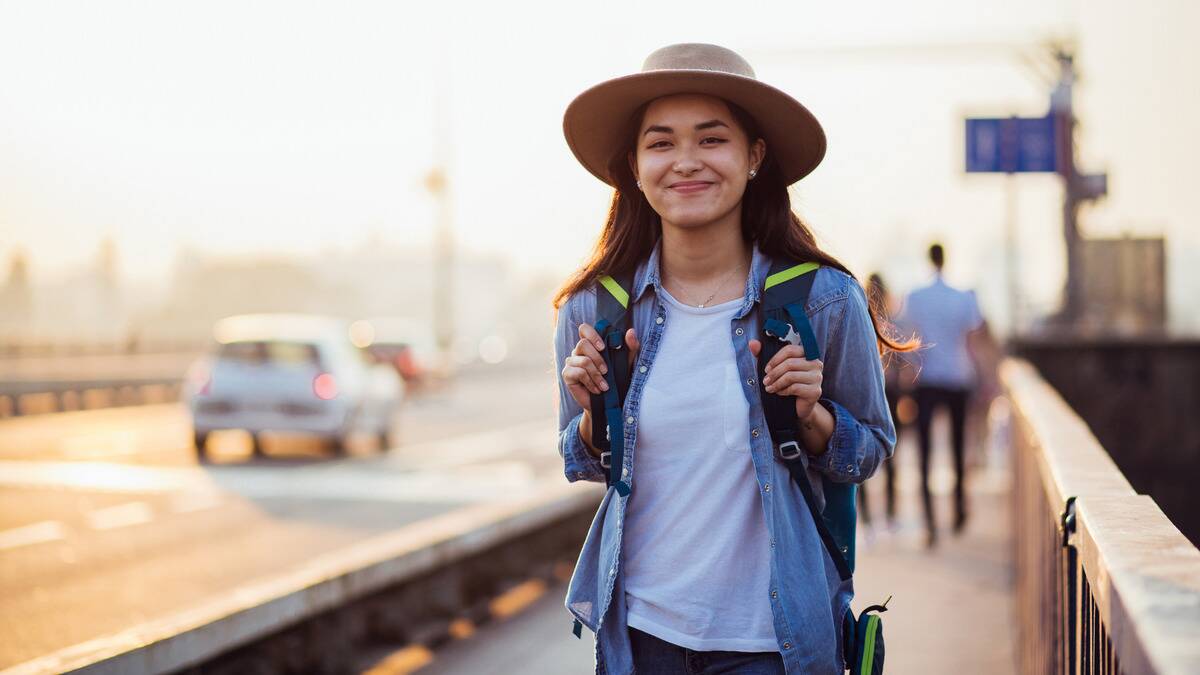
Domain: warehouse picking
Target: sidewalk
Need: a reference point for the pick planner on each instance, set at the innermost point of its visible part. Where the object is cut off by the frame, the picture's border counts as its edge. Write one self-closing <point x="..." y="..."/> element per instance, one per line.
<point x="952" y="609"/>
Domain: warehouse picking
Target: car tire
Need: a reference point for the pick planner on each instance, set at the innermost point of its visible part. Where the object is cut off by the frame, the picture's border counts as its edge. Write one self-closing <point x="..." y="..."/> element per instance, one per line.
<point x="200" y="439"/>
<point x="340" y="445"/>
<point x="256" y="446"/>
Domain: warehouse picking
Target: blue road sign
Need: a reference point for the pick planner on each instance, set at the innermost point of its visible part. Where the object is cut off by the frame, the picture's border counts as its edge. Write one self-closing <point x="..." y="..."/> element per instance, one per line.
<point x="1010" y="144"/>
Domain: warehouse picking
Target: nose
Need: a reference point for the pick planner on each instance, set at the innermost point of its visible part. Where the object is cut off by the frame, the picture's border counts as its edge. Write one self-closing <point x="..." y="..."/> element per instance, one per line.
<point x="687" y="164"/>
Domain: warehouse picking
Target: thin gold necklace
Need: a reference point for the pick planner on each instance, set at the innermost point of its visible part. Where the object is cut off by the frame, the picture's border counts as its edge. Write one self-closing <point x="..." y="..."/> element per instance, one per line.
<point x="712" y="295"/>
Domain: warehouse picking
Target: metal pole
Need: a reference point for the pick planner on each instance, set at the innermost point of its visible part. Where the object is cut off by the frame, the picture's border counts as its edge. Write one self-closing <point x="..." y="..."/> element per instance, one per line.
<point x="1010" y="241"/>
<point x="443" y="243"/>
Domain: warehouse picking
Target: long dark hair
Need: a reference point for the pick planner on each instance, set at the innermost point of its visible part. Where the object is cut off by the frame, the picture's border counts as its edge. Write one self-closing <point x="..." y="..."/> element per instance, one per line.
<point x="633" y="227"/>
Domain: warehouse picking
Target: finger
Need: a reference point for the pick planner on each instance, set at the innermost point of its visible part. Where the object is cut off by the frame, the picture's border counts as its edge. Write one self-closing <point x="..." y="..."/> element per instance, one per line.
<point x="786" y="380"/>
<point x="576" y="377"/>
<point x="586" y="332"/>
<point x="789" y="365"/>
<point x="589" y="367"/>
<point x="588" y="349"/>
<point x="788" y="352"/>
<point x="631" y="341"/>
<point x="755" y="348"/>
<point x="806" y="392"/>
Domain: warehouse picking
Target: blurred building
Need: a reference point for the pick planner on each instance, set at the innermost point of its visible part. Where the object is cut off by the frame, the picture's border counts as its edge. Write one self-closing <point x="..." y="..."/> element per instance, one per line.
<point x="16" y="302"/>
<point x="1123" y="286"/>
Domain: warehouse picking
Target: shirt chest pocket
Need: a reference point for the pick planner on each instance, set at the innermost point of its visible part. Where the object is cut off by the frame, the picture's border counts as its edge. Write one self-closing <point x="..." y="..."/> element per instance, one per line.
<point x="735" y="411"/>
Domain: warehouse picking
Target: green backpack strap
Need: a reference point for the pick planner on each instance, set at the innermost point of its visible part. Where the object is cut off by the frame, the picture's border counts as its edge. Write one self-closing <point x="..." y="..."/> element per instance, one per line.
<point x="613" y="319"/>
<point x="785" y="321"/>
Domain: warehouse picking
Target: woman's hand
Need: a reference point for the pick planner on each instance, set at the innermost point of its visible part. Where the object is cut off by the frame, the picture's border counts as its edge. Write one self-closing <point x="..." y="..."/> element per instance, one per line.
<point x="788" y="373"/>
<point x="583" y="371"/>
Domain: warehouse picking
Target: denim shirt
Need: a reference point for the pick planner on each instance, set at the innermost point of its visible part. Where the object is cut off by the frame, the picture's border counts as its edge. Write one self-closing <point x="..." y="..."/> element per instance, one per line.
<point x="808" y="599"/>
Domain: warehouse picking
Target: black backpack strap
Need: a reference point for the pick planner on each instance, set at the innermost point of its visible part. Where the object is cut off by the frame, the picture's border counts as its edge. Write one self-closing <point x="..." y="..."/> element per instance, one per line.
<point x="613" y="319"/>
<point x="785" y="322"/>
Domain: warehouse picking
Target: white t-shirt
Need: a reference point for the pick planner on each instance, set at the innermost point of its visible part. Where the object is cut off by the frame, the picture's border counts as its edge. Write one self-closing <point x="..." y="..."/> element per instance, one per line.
<point x="696" y="549"/>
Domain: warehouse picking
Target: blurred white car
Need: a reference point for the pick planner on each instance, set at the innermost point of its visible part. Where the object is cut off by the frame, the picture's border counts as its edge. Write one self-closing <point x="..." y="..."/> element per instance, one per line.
<point x="290" y="373"/>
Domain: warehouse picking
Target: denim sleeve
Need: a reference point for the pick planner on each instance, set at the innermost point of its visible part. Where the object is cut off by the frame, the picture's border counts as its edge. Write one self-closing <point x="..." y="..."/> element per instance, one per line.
<point x="853" y="390"/>
<point x="578" y="463"/>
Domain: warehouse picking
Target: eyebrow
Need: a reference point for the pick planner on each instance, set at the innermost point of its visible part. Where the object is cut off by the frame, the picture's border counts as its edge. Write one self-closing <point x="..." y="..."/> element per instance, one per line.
<point x="711" y="124"/>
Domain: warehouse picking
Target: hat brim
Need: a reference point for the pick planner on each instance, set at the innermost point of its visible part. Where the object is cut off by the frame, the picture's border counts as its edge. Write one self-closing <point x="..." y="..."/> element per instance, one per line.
<point x="598" y="119"/>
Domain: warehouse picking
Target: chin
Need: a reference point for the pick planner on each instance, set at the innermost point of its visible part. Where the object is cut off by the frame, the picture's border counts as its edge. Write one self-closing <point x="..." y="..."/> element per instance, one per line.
<point x="690" y="218"/>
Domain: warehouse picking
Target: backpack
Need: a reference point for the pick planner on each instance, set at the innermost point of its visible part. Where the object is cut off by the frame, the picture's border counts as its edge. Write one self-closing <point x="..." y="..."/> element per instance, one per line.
<point x="784" y="321"/>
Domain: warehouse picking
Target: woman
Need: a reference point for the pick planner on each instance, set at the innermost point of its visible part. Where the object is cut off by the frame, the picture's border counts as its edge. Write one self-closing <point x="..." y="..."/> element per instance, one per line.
<point x="712" y="562"/>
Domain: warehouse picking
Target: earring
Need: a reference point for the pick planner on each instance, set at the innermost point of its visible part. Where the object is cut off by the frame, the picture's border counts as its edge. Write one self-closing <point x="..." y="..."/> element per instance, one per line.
<point x="639" y="184"/>
<point x="753" y="173"/>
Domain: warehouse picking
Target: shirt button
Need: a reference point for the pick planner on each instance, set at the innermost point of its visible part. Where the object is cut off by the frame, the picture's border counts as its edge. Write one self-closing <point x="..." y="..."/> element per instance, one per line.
<point x="579" y="474"/>
<point x="772" y="543"/>
<point x="767" y="487"/>
<point x="754" y="433"/>
<point x="642" y="369"/>
<point x="751" y="382"/>
<point x="738" y="331"/>
<point x="658" y="320"/>
<point x="629" y="420"/>
<point x="850" y="468"/>
<point x="624" y="473"/>
<point x="774" y="595"/>
<point x="787" y="645"/>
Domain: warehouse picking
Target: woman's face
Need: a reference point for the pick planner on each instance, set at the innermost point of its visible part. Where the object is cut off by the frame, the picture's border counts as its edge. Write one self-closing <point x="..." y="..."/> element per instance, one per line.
<point x="693" y="159"/>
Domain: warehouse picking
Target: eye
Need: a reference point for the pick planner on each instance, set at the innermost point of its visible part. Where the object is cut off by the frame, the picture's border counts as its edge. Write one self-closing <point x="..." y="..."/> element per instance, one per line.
<point x="712" y="140"/>
<point x="657" y="144"/>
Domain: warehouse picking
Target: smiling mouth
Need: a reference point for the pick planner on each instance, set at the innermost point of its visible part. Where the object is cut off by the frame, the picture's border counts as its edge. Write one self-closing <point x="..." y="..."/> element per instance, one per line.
<point x="688" y="187"/>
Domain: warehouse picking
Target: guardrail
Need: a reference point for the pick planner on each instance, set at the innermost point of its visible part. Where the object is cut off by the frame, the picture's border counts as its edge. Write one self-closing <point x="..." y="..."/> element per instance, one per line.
<point x="39" y="385"/>
<point x="1105" y="582"/>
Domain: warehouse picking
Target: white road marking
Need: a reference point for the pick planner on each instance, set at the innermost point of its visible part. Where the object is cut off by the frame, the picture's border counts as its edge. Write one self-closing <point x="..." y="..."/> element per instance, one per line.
<point x="122" y="515"/>
<point x="476" y="467"/>
<point x="117" y="443"/>
<point x="36" y="533"/>
<point x="191" y="502"/>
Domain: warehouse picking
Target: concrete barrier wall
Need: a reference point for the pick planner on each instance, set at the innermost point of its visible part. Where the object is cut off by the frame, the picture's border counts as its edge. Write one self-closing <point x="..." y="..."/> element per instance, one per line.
<point x="406" y="587"/>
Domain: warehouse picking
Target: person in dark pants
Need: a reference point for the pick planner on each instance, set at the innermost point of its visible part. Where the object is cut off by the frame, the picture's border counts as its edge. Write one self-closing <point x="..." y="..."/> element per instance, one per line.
<point x="943" y="317"/>
<point x="884" y="306"/>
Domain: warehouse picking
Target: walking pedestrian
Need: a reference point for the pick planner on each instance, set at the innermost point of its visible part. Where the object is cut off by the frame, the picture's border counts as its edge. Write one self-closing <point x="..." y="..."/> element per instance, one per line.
<point x="885" y="306"/>
<point x="703" y="556"/>
<point x="944" y="318"/>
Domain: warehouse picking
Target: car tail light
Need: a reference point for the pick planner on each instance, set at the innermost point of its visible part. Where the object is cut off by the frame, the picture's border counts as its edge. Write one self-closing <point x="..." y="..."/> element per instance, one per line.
<point x="325" y="387"/>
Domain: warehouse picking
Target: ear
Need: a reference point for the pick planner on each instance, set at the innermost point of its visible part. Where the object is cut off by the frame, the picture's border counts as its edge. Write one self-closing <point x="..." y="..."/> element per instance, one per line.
<point x="758" y="152"/>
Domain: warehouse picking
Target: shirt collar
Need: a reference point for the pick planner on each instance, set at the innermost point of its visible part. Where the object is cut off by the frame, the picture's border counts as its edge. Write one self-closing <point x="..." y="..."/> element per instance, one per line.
<point x="649" y="275"/>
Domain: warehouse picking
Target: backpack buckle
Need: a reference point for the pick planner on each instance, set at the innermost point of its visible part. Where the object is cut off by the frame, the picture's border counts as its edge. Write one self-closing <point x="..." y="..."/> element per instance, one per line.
<point x="782" y="331"/>
<point x="606" y="459"/>
<point x="789" y="451"/>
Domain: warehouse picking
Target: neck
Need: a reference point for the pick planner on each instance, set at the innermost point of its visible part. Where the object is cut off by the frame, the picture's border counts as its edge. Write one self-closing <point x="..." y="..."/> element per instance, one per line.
<point x="701" y="254"/>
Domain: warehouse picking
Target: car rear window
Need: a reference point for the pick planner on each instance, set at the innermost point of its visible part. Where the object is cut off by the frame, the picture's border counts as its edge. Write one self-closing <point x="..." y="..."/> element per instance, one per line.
<point x="277" y="353"/>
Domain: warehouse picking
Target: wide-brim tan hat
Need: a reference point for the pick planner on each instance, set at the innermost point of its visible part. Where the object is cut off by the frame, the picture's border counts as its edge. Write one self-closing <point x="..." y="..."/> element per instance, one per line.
<point x="598" y="120"/>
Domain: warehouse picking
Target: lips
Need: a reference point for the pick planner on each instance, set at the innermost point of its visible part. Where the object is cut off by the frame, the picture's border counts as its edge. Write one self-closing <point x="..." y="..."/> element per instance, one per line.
<point x="690" y="186"/>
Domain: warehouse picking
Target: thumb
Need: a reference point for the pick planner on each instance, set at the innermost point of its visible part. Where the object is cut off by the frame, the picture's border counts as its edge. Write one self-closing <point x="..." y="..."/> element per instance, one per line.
<point x="632" y="341"/>
<point x="755" y="348"/>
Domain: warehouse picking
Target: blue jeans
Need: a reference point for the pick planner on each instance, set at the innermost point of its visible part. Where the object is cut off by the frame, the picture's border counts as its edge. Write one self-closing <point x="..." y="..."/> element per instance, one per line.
<point x="652" y="656"/>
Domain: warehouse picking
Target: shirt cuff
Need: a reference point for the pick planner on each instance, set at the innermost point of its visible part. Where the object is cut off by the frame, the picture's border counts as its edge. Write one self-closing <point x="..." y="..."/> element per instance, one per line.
<point x="578" y="463"/>
<point x="840" y="459"/>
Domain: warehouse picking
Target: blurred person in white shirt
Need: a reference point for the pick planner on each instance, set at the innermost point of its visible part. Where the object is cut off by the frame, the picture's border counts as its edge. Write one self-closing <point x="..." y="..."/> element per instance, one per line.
<point x="946" y="319"/>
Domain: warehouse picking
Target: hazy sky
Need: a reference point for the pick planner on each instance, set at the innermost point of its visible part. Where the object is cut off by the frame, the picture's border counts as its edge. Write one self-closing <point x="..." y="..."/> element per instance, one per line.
<point x="289" y="127"/>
